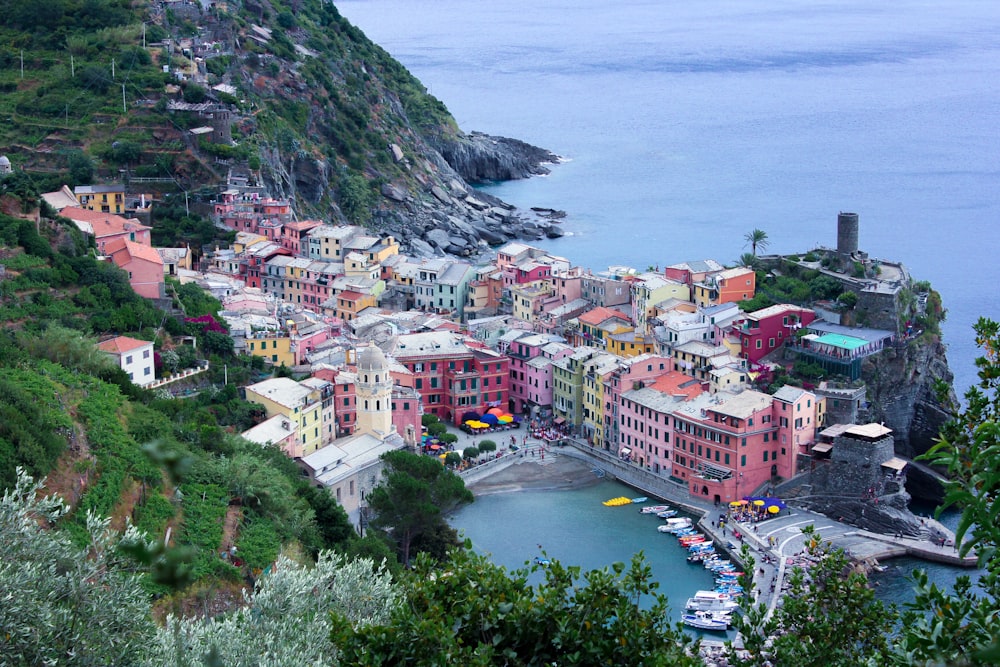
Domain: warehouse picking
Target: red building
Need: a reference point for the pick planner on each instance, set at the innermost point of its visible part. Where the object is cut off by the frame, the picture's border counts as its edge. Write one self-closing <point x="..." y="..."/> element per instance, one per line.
<point x="765" y="330"/>
<point x="455" y="375"/>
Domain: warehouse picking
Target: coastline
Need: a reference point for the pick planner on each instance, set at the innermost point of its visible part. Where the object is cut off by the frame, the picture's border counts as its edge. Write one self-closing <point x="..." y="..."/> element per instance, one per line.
<point x="555" y="473"/>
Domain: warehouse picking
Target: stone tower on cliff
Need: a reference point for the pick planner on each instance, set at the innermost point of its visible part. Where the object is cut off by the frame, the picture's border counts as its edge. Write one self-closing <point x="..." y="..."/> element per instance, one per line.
<point x="374" y="393"/>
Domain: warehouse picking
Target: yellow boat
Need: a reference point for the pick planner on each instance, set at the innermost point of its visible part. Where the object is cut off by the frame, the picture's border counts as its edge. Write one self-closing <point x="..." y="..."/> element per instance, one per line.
<point x="617" y="502"/>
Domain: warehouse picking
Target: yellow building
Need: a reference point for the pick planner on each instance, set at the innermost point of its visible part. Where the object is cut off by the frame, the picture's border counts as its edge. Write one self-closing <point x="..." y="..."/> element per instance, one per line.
<point x="295" y="276"/>
<point x="596" y="371"/>
<point x="387" y="247"/>
<point x="274" y="346"/>
<point x="527" y="299"/>
<point x="349" y="303"/>
<point x="103" y="198"/>
<point x="298" y="403"/>
<point x="630" y="344"/>
<point x="650" y="289"/>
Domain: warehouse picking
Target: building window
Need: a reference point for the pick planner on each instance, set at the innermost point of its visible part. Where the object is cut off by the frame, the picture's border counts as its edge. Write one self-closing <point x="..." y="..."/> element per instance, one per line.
<point x="128" y="359"/>
<point x="145" y="354"/>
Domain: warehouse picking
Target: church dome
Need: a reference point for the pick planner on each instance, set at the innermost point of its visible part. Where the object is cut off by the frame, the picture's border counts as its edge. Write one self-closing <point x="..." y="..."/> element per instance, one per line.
<point x="371" y="359"/>
<point x="4" y="161"/>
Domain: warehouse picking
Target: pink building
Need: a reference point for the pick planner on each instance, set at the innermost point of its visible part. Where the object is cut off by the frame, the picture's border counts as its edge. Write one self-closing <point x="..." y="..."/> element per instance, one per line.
<point x="765" y="330"/>
<point x="537" y="384"/>
<point x="406" y="410"/>
<point x="454" y="374"/>
<point x="693" y="272"/>
<point x="521" y="351"/>
<point x="294" y="235"/>
<point x="143" y="265"/>
<point x="798" y="419"/>
<point x="568" y="285"/>
<point x="107" y="227"/>
<point x="633" y="373"/>
<point x="645" y="422"/>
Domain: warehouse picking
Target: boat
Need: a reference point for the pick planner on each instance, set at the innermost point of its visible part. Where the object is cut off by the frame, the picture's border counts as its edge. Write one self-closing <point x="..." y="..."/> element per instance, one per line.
<point x="707" y="620"/>
<point x="679" y="521"/>
<point x="665" y="529"/>
<point x="542" y="561"/>
<point x="696" y="604"/>
<point x="653" y="509"/>
<point x="701" y="546"/>
<point x="666" y="514"/>
<point x="640" y="499"/>
<point x="618" y="502"/>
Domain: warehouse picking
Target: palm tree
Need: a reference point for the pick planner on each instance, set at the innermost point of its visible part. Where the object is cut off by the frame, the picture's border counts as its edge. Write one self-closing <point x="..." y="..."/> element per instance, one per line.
<point x="748" y="260"/>
<point x="757" y="239"/>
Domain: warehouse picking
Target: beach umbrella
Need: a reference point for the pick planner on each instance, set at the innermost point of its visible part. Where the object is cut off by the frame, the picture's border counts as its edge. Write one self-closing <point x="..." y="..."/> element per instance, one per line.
<point x="471" y="422"/>
<point x="505" y="419"/>
<point x="773" y="509"/>
<point x="496" y="412"/>
<point x="490" y="418"/>
<point x="470" y="416"/>
<point x="435" y="447"/>
<point x="758" y="502"/>
<point x="737" y="503"/>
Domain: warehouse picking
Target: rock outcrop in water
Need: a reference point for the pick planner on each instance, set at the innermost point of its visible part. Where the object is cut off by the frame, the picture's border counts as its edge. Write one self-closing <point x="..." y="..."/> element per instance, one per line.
<point x="480" y="158"/>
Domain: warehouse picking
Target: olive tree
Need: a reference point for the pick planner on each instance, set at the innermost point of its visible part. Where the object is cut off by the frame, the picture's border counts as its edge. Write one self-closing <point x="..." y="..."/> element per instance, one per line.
<point x="61" y="603"/>
<point x="287" y="619"/>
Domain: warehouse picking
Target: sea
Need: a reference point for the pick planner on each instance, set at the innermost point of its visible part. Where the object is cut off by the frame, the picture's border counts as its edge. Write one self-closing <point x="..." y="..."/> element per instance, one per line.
<point x="684" y="125"/>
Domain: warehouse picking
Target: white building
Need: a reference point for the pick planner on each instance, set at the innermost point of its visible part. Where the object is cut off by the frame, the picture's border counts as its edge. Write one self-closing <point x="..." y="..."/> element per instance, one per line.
<point x="135" y="357"/>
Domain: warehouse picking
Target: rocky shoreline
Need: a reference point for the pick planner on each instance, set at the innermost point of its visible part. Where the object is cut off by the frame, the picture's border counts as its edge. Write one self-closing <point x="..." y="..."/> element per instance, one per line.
<point x="450" y="217"/>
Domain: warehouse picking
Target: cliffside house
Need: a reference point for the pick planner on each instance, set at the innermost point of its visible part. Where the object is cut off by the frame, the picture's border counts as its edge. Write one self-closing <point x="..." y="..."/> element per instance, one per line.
<point x="133" y="356"/>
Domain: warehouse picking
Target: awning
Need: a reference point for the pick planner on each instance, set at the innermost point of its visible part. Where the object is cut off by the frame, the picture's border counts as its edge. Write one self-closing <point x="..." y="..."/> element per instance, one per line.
<point x="560" y="420"/>
<point x="822" y="448"/>
<point x="895" y="463"/>
<point x="625" y="450"/>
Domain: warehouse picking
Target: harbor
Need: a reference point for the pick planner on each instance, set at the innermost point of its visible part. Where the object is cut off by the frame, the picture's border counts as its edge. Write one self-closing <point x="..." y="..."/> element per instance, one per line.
<point x="777" y="543"/>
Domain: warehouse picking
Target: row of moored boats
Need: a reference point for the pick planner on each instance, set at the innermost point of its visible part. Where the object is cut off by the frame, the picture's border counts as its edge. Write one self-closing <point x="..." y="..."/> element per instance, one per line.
<point x="707" y="610"/>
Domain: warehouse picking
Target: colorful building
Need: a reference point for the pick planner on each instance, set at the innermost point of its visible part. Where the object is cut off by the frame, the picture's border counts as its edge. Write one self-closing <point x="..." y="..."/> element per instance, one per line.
<point x="101" y="198"/>
<point x="300" y="404"/>
<point x="143" y="265"/>
<point x="454" y="374"/>
<point x="765" y="330"/>
<point x="729" y="286"/>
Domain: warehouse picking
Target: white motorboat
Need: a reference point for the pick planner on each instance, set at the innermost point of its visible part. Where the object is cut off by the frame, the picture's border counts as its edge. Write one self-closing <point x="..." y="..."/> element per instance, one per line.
<point x="702" y="604"/>
<point x="678" y="521"/>
<point x="708" y="620"/>
<point x="653" y="509"/>
<point x="666" y="514"/>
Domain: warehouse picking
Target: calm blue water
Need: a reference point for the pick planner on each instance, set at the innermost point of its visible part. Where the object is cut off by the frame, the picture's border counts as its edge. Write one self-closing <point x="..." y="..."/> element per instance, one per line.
<point x="689" y="124"/>
<point x="576" y="529"/>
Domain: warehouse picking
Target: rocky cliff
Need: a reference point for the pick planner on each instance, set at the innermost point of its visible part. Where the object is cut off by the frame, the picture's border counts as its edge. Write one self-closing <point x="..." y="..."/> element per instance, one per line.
<point x="903" y="392"/>
<point x="286" y="95"/>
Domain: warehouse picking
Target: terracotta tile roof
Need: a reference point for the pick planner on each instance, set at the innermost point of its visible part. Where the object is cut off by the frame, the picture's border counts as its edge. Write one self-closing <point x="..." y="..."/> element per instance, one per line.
<point x="122" y="344"/>
<point x="122" y="252"/>
<point x="601" y="314"/>
<point x="676" y="383"/>
<point x="103" y="224"/>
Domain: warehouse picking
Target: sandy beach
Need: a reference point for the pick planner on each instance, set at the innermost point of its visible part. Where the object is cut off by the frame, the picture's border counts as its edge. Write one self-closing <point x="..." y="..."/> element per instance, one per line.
<point x="556" y="472"/>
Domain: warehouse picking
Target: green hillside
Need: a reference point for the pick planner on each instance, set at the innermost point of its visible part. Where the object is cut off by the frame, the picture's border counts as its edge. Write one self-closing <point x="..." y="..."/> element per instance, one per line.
<point x="312" y="106"/>
<point x="114" y="450"/>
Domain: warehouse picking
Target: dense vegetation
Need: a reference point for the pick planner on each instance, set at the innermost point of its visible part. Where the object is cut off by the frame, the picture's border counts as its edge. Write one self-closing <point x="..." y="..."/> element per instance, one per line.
<point x="83" y="93"/>
<point x="68" y="412"/>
